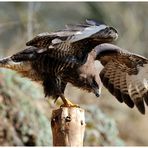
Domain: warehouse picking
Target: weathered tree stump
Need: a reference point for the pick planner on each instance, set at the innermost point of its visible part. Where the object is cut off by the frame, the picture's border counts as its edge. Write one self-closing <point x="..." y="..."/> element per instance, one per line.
<point x="68" y="126"/>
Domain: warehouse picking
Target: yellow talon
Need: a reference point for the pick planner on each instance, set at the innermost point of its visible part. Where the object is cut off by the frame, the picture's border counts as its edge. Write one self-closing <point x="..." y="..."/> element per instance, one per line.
<point x="67" y="103"/>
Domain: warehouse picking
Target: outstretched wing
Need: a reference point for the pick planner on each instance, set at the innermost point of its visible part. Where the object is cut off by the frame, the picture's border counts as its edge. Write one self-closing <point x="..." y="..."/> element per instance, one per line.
<point x="125" y="75"/>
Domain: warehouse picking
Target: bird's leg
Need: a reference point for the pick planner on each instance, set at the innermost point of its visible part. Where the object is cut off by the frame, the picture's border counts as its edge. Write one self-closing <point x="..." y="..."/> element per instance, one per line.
<point x="67" y="103"/>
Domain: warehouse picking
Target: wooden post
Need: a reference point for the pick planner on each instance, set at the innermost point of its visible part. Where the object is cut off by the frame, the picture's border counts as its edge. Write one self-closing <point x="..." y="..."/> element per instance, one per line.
<point x="68" y="126"/>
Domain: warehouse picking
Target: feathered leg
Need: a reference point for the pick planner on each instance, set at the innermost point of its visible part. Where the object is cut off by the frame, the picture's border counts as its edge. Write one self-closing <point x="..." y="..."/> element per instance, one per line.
<point x="54" y="85"/>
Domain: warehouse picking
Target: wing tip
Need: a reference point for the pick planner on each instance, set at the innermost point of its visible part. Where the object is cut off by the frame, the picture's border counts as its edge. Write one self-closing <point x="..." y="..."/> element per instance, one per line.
<point x="127" y="100"/>
<point x="140" y="106"/>
<point x="145" y="96"/>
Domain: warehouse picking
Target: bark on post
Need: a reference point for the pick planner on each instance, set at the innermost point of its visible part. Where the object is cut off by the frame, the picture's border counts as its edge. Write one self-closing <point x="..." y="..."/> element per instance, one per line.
<point x="68" y="126"/>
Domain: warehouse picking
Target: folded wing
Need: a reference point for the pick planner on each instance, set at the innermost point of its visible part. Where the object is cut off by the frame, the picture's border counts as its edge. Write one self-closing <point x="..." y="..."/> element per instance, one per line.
<point x="72" y="33"/>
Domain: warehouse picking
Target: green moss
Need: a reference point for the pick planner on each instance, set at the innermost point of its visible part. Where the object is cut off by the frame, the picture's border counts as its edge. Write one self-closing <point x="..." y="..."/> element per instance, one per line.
<point x="101" y="130"/>
<point x="19" y="108"/>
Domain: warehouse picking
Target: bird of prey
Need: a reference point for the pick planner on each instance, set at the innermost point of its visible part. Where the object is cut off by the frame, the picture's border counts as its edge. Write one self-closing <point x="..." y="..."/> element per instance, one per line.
<point x="81" y="55"/>
<point x="51" y="55"/>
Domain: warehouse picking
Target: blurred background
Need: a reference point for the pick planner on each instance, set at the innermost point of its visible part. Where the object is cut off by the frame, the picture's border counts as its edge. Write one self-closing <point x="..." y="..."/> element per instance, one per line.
<point x="25" y="113"/>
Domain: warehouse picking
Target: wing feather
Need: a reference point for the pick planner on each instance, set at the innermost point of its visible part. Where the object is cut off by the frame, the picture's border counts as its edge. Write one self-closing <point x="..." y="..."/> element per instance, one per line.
<point x="125" y="75"/>
<point x="117" y="83"/>
<point x="72" y="33"/>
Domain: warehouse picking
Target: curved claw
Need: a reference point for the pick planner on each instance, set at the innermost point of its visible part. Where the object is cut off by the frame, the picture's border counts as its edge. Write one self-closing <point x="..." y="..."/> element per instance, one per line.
<point x="67" y="103"/>
<point x="70" y="105"/>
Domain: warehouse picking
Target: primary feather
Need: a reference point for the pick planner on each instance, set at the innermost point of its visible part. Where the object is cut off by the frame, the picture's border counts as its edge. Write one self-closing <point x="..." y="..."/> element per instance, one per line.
<point x="125" y="75"/>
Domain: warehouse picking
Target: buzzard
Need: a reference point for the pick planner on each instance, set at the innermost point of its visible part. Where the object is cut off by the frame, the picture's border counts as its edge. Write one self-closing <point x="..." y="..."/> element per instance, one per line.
<point x="82" y="55"/>
<point x="50" y="55"/>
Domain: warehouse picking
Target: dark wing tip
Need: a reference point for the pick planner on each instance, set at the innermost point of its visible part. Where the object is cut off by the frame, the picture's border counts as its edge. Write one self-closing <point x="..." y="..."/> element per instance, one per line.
<point x="140" y="105"/>
<point x="117" y="94"/>
<point x="127" y="100"/>
<point x="145" y="96"/>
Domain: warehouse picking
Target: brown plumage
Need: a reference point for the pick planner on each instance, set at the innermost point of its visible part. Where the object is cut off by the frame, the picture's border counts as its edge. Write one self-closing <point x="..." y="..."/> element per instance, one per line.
<point x="124" y="74"/>
<point x="69" y="56"/>
<point x="51" y="54"/>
